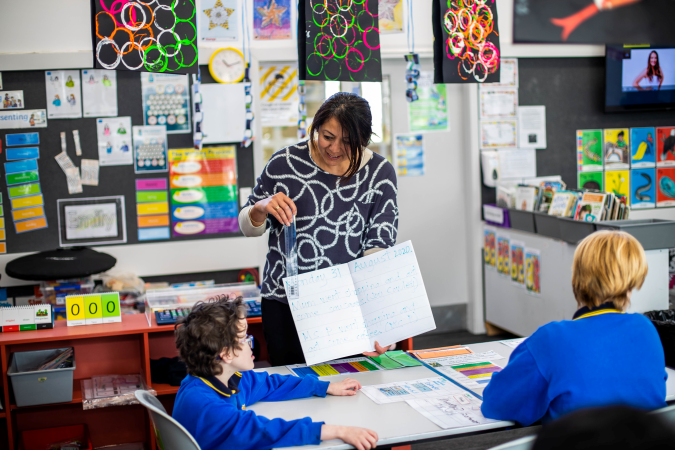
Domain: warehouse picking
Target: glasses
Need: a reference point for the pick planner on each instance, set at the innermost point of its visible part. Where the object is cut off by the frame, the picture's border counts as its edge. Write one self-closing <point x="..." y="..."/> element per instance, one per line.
<point x="247" y="340"/>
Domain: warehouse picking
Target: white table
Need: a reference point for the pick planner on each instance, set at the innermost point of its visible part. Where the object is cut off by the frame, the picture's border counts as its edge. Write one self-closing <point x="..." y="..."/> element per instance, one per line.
<point x="395" y="423"/>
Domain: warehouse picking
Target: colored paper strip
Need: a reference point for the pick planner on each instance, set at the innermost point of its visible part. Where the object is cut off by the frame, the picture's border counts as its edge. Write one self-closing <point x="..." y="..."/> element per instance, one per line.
<point x="151" y="184"/>
<point x="27" y="202"/>
<point x="3" y="247"/>
<point x="367" y="365"/>
<point x="151" y="196"/>
<point x="2" y="234"/>
<point x="205" y="195"/>
<point x="28" y="213"/>
<point x="21" y="166"/>
<point x="153" y="221"/>
<point x="2" y="222"/>
<point x="205" y="211"/>
<point x="205" y="166"/>
<point x="22" y="153"/>
<point x="24" y="190"/>
<point x="23" y="177"/>
<point x="30" y="225"/>
<point x="151" y="234"/>
<point x="203" y="180"/>
<point x="325" y="370"/>
<point x="144" y="209"/>
<point x="22" y="139"/>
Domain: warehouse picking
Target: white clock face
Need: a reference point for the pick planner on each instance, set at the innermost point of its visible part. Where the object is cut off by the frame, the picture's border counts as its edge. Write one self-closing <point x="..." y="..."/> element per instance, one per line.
<point x="228" y="66"/>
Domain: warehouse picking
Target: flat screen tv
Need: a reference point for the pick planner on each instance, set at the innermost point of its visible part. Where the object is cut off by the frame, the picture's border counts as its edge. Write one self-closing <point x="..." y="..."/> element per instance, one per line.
<point x="639" y="78"/>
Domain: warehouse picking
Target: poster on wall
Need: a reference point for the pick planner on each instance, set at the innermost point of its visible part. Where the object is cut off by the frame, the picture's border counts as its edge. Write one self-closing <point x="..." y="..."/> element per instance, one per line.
<point x="11" y="100"/>
<point x="533" y="271"/>
<point x="63" y="94"/>
<point x="390" y="16"/>
<point x="518" y="263"/>
<point x="203" y="190"/>
<point x="490" y="247"/>
<point x="466" y="42"/>
<point x="665" y="146"/>
<point x="278" y="94"/>
<point x="643" y="147"/>
<point x="665" y="186"/>
<point x="643" y="188"/>
<point x="593" y="22"/>
<point x="99" y="93"/>
<point x="430" y="111"/>
<point x="219" y="20"/>
<point x="92" y="221"/>
<point x="114" y="141"/>
<point x="339" y="43"/>
<point x="271" y="19"/>
<point x="616" y="148"/>
<point x="145" y="36"/>
<point x="27" y="118"/>
<point x="409" y="152"/>
<point x="591" y="180"/>
<point x="166" y="101"/>
<point x="618" y="182"/>
<point x="150" y="148"/>
<point x="503" y="257"/>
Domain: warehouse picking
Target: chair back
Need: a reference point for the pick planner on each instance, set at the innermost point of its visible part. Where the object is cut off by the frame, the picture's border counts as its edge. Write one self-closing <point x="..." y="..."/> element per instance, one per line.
<point x="170" y="434"/>
<point x="524" y="443"/>
<point x="667" y="414"/>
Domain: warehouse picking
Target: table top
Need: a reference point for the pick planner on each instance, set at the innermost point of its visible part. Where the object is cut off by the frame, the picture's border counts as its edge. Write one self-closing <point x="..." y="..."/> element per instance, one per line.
<point x="394" y="422"/>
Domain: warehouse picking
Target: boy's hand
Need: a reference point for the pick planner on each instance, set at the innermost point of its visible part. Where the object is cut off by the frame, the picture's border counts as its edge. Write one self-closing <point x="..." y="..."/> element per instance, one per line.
<point x="348" y="386"/>
<point x="379" y="350"/>
<point x="359" y="438"/>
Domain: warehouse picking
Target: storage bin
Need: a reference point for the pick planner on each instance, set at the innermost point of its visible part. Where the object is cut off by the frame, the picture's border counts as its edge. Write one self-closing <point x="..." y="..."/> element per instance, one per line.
<point x="547" y="225"/>
<point x="664" y="322"/>
<point x="574" y="231"/>
<point x="40" y="387"/>
<point x="653" y="234"/>
<point x="41" y="438"/>
<point x="497" y="216"/>
<point x="522" y="220"/>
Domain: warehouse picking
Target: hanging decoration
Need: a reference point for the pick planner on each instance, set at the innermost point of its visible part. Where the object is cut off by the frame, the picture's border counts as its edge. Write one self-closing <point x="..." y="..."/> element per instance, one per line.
<point x="302" y="111"/>
<point x="412" y="72"/>
<point x="339" y="40"/>
<point x="198" y="114"/>
<point x="466" y="41"/>
<point x="145" y="36"/>
<point x="248" y="97"/>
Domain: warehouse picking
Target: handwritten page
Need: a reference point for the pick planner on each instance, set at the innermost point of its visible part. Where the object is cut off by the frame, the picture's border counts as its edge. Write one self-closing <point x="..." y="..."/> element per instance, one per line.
<point x="342" y="310"/>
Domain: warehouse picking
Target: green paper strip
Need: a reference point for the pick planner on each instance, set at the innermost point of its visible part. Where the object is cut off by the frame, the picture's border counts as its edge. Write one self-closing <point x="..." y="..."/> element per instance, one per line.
<point x="23" y="177"/>
<point x="26" y="189"/>
<point x="403" y="358"/>
<point x="211" y="194"/>
<point x="151" y="196"/>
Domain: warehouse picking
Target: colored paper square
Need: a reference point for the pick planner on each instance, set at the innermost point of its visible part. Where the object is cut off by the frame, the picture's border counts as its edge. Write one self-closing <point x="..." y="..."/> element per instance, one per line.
<point x="3" y="247"/>
<point x="75" y="310"/>
<point x="27" y="202"/>
<point x="151" y="184"/>
<point x="22" y="139"/>
<point x="22" y="177"/>
<point x="24" y="190"/>
<point x="110" y="305"/>
<point x="151" y="196"/>
<point x="30" y="225"/>
<point x="28" y="213"/>
<point x="2" y="222"/>
<point x="152" y="208"/>
<point x="93" y="312"/>
<point x="151" y="234"/>
<point x="153" y="221"/>
<point x="14" y="154"/>
<point x="2" y="235"/>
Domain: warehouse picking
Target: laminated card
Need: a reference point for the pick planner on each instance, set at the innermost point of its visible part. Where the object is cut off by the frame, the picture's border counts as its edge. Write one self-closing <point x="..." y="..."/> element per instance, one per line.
<point x="342" y="310"/>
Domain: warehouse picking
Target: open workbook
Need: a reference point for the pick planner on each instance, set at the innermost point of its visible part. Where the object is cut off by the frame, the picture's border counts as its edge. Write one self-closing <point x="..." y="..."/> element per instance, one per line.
<point x="342" y="310"/>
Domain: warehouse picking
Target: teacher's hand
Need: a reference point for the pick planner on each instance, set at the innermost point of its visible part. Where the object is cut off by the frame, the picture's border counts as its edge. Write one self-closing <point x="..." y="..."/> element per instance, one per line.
<point x="279" y="205"/>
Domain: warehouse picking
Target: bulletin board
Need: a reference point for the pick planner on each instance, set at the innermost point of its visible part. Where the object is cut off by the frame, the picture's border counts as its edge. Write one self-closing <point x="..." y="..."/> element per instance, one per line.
<point x="573" y="91"/>
<point x="113" y="180"/>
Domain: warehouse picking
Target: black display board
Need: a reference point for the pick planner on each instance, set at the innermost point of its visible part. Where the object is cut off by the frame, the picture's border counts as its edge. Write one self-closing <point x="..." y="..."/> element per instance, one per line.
<point x="113" y="180"/>
<point x="573" y="91"/>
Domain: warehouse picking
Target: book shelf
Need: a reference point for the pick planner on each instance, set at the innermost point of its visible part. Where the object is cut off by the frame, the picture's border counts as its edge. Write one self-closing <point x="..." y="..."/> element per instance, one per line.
<point x="116" y="348"/>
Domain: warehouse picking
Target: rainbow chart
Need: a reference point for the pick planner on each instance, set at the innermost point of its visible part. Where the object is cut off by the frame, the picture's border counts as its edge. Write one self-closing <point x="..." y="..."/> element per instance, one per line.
<point x="480" y="372"/>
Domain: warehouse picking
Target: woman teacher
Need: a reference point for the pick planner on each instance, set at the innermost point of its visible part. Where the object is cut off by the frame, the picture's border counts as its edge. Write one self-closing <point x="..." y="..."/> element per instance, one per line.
<point x="343" y="197"/>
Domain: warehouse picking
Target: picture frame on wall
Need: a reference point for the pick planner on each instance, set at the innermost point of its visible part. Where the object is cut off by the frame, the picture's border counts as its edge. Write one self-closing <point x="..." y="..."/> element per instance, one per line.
<point x="92" y="221"/>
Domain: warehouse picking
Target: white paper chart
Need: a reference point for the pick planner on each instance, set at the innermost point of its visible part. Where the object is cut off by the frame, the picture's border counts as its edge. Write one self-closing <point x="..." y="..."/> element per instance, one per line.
<point x="342" y="310"/>
<point x="402" y="391"/>
<point x="453" y="411"/>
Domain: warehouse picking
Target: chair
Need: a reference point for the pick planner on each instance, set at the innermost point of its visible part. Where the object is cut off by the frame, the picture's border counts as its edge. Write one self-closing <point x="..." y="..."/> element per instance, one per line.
<point x="170" y="434"/>
<point x="667" y="414"/>
<point x="524" y="443"/>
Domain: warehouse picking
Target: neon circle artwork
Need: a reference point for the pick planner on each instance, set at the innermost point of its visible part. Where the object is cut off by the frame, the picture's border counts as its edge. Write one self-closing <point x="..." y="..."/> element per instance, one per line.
<point x="341" y="40"/>
<point x="467" y="39"/>
<point x="147" y="36"/>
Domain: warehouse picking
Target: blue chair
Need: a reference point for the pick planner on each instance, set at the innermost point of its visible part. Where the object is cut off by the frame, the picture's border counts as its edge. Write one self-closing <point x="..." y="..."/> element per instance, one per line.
<point x="170" y="434"/>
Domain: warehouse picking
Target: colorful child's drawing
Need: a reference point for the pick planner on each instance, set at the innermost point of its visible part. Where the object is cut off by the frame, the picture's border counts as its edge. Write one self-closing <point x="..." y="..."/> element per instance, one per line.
<point x="272" y="19"/>
<point x="503" y="255"/>
<point x="665" y="146"/>
<point x="643" y="147"/>
<point x="616" y="148"/>
<point x="517" y="262"/>
<point x="390" y="15"/>
<point x="643" y="188"/>
<point x="665" y="186"/>
<point x="490" y="247"/>
<point x="532" y="271"/>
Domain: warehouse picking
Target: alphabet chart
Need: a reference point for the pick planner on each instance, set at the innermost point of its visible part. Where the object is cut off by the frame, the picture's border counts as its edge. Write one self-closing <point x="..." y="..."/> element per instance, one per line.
<point x="342" y="310"/>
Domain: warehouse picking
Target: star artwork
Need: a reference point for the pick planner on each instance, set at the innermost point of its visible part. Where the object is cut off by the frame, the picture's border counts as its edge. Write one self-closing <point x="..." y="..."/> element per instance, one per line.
<point x="386" y="9"/>
<point x="218" y="15"/>
<point x="271" y="14"/>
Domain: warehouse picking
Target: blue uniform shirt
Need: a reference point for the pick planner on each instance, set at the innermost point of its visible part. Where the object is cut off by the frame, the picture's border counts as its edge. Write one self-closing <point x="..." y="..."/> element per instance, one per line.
<point x="216" y="415"/>
<point x="600" y="358"/>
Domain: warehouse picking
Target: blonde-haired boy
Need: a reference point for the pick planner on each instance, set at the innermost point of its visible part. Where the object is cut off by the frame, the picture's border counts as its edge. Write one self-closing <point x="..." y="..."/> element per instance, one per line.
<point x="602" y="356"/>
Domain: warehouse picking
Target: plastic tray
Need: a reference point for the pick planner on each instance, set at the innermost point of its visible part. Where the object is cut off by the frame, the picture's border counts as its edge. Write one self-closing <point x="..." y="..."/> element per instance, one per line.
<point x="653" y="234"/>
<point x="40" y="387"/>
<point x="522" y="220"/>
<point x="547" y="225"/>
<point x="574" y="231"/>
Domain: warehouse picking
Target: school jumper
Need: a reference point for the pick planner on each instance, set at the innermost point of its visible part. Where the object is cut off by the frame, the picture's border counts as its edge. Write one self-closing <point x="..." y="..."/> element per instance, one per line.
<point x="601" y="357"/>
<point x="217" y="417"/>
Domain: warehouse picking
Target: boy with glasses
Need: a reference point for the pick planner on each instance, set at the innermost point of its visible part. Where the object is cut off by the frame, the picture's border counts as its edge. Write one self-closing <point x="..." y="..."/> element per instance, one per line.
<point x="212" y="400"/>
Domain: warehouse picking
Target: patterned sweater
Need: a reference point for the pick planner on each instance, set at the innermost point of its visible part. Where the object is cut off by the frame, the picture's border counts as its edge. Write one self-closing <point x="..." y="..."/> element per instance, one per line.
<point x="336" y="223"/>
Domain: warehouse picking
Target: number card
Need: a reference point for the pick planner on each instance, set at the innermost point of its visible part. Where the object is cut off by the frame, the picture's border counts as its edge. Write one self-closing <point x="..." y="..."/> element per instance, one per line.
<point x="93" y="309"/>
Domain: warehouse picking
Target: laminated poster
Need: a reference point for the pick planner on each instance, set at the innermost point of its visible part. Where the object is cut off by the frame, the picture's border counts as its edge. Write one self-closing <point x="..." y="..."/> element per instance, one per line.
<point x="430" y="111"/>
<point x="665" y="188"/>
<point x="665" y="146"/>
<point x="339" y="41"/>
<point x="390" y="16"/>
<point x="589" y="150"/>
<point x="166" y="101"/>
<point x="643" y="188"/>
<point x="532" y="271"/>
<point x="27" y="118"/>
<point x="219" y="20"/>
<point x="643" y="147"/>
<point x="618" y="182"/>
<point x="152" y="209"/>
<point x="272" y="19"/>
<point x="114" y="141"/>
<point x="99" y="93"/>
<point x="278" y="94"/>
<point x="498" y="103"/>
<point x="518" y="263"/>
<point x="409" y="152"/>
<point x="203" y="186"/>
<point x="150" y="149"/>
<point x="503" y="257"/>
<point x="64" y="100"/>
<point x="489" y="246"/>
<point x="11" y="100"/>
<point x="616" y="148"/>
<point x="498" y="134"/>
<point x="591" y="180"/>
